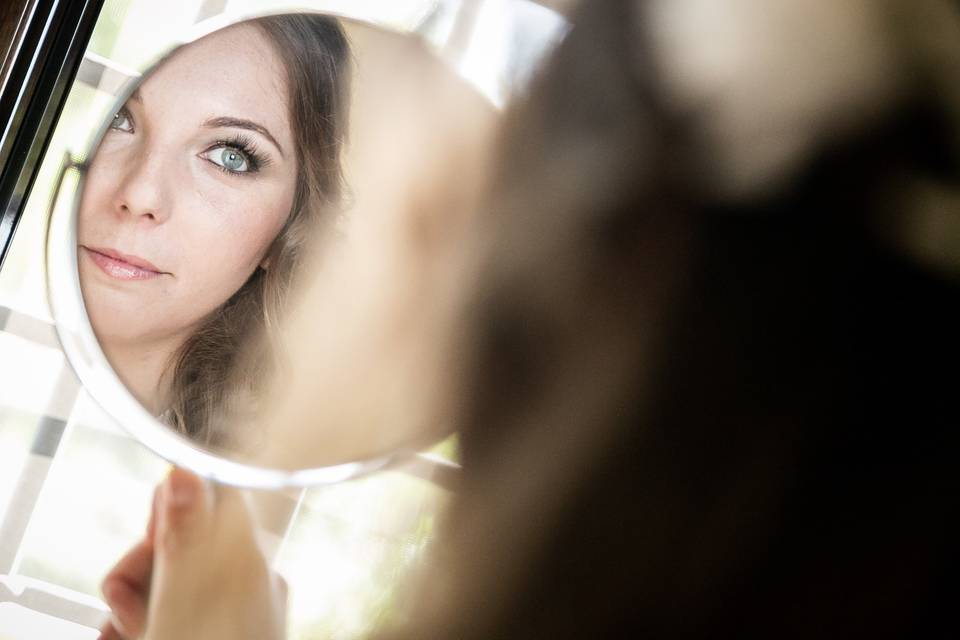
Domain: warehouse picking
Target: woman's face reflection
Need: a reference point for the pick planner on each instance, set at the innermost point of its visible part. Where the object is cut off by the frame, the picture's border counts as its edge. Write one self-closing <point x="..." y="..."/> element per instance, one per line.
<point x="188" y="189"/>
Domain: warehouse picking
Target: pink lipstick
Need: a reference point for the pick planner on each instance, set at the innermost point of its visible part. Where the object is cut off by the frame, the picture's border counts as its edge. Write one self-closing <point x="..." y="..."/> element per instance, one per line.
<point x="122" y="266"/>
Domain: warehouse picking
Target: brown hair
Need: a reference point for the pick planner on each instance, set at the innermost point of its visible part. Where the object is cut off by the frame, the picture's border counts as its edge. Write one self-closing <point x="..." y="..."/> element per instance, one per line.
<point x="208" y="368"/>
<point x="694" y="416"/>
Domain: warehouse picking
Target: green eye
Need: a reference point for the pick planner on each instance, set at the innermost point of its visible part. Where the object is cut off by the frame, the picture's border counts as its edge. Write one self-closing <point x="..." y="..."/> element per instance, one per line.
<point x="230" y="159"/>
<point x="233" y="160"/>
<point x="237" y="156"/>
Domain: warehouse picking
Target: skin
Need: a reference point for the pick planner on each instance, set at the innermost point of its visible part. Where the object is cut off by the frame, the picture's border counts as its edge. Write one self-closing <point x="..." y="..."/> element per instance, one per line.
<point x="157" y="189"/>
<point x="199" y="541"/>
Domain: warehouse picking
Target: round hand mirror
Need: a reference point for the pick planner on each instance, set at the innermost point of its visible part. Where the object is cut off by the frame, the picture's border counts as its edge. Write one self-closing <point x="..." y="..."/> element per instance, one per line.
<point x="233" y="241"/>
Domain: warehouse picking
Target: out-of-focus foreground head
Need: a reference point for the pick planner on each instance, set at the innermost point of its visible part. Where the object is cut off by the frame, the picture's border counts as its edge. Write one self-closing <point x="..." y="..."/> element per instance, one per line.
<point x="704" y="390"/>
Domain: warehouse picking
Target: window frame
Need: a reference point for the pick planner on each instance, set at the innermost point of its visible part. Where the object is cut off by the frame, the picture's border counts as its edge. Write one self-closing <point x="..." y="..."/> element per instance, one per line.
<point x="41" y="62"/>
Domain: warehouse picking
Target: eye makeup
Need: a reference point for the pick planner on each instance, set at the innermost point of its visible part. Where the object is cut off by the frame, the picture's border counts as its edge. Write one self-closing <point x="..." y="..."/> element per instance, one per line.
<point x="236" y="155"/>
<point x="237" y="148"/>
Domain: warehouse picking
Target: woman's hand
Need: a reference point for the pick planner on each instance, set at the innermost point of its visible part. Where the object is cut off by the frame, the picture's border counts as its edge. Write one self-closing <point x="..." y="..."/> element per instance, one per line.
<point x="198" y="573"/>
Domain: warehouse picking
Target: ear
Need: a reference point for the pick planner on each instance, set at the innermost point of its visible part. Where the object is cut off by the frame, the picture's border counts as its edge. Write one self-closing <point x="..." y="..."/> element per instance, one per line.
<point x="265" y="263"/>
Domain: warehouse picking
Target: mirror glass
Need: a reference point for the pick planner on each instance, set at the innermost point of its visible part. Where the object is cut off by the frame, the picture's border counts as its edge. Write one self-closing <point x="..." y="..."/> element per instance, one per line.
<point x="234" y="238"/>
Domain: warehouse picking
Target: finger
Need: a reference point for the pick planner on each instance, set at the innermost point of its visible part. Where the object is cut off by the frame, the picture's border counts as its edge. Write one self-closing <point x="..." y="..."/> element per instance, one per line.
<point x="128" y="607"/>
<point x="184" y="510"/>
<point x="208" y="570"/>
<point x="134" y="568"/>
<point x="109" y="632"/>
<point x="126" y="589"/>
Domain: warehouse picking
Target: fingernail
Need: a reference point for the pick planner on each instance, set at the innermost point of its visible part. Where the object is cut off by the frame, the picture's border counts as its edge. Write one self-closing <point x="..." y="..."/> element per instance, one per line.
<point x="182" y="492"/>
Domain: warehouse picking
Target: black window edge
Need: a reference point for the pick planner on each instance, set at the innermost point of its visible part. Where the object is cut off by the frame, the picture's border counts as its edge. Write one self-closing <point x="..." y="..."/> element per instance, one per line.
<point x="33" y="98"/>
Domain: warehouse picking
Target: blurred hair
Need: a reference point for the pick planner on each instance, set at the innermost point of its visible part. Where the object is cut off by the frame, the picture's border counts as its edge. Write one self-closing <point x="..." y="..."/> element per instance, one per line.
<point x="705" y="403"/>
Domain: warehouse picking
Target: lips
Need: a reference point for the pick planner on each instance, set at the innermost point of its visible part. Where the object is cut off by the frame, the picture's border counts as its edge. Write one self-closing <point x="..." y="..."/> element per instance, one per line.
<point x="122" y="266"/>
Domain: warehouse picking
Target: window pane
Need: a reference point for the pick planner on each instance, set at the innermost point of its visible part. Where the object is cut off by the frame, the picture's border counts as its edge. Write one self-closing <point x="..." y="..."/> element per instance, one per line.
<point x="99" y="490"/>
<point x="349" y="550"/>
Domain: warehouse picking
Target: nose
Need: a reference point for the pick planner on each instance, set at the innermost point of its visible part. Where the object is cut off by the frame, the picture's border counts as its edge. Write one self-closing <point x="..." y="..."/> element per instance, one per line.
<point x="142" y="190"/>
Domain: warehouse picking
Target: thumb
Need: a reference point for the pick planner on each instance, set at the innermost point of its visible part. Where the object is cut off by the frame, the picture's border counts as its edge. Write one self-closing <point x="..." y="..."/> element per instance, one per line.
<point x="181" y="540"/>
<point x="210" y="579"/>
<point x="183" y="514"/>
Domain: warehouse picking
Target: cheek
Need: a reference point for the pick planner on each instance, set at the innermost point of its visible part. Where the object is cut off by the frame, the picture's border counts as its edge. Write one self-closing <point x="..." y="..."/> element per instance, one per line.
<point x="231" y="237"/>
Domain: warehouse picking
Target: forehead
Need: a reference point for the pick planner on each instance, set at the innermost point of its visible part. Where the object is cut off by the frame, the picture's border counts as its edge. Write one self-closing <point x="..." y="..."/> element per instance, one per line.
<point x="232" y="72"/>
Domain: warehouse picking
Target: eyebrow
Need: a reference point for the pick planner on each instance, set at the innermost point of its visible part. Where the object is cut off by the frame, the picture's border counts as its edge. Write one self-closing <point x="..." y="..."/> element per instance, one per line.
<point x="242" y="123"/>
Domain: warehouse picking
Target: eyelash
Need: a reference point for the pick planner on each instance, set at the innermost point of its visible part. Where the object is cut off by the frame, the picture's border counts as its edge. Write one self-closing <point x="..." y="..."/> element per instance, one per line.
<point x="241" y="144"/>
<point x="245" y="146"/>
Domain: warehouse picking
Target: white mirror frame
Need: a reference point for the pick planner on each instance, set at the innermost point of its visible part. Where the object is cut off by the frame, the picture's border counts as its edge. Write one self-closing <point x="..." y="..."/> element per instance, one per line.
<point x="87" y="359"/>
<point x="90" y="364"/>
<point x="73" y="326"/>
